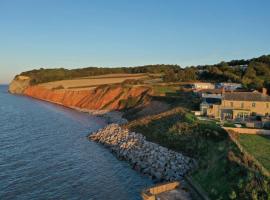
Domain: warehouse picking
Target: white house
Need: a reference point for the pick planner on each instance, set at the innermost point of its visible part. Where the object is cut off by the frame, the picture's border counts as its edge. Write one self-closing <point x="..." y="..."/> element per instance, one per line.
<point x="200" y="86"/>
<point x="229" y="86"/>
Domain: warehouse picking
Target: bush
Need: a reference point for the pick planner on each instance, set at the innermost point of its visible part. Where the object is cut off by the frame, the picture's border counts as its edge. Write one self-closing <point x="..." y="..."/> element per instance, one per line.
<point x="211" y="131"/>
<point x="222" y="170"/>
<point x="228" y="124"/>
<point x="132" y="82"/>
<point x="59" y="87"/>
<point x="130" y="102"/>
<point x="46" y="75"/>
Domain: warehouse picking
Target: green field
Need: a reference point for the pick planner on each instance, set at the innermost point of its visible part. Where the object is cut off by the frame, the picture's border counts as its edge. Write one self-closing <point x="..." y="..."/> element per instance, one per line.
<point x="258" y="146"/>
<point x="164" y="89"/>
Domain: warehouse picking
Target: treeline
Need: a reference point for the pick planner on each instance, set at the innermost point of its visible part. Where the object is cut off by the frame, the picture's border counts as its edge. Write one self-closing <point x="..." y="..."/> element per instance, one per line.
<point x="46" y="75"/>
<point x="253" y="73"/>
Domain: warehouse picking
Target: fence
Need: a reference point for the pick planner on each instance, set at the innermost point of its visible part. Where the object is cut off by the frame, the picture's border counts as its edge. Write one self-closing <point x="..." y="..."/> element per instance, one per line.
<point x="150" y="193"/>
<point x="248" y="131"/>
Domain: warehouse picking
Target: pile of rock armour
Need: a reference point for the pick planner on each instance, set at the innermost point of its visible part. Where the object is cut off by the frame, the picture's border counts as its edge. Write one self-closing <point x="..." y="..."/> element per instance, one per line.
<point x="149" y="158"/>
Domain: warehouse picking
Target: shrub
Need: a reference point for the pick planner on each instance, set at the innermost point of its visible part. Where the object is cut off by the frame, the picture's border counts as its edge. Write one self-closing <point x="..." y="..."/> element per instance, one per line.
<point x="228" y="124"/>
<point x="59" y="87"/>
<point x="129" y="102"/>
<point x="132" y="82"/>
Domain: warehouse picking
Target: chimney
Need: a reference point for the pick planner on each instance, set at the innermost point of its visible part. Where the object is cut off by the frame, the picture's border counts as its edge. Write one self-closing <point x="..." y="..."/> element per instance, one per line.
<point x="223" y="90"/>
<point x="264" y="91"/>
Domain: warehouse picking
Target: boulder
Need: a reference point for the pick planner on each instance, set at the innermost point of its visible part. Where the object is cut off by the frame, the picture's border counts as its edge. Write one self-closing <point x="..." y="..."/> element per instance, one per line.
<point x="149" y="158"/>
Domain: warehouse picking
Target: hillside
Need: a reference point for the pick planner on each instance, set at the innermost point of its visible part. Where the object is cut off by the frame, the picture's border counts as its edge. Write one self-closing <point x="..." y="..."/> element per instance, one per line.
<point x="110" y="96"/>
<point x="47" y="75"/>
<point x="159" y="108"/>
<point x="223" y="171"/>
<point x="253" y="73"/>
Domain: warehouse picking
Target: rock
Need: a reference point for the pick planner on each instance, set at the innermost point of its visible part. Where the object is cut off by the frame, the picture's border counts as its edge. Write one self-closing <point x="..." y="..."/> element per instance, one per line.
<point x="91" y="101"/>
<point x="19" y="84"/>
<point x="149" y="158"/>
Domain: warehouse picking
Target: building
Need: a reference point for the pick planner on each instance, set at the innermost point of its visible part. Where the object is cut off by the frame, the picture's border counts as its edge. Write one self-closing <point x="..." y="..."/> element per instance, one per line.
<point x="209" y="98"/>
<point x="207" y="105"/>
<point x="229" y="86"/>
<point x="200" y="86"/>
<point x="239" y="105"/>
<point x="210" y="93"/>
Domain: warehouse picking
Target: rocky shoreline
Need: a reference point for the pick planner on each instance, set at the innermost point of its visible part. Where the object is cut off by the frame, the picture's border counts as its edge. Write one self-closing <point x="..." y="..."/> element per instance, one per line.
<point x="151" y="159"/>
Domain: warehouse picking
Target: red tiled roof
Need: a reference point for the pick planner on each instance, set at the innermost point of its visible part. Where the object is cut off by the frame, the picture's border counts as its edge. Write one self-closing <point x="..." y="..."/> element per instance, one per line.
<point x="246" y="96"/>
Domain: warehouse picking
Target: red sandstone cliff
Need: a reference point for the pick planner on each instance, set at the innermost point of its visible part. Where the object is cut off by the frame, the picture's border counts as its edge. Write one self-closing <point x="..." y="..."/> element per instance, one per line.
<point x="115" y="97"/>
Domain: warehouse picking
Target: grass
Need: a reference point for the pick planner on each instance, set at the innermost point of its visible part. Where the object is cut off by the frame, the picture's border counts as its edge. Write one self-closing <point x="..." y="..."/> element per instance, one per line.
<point x="164" y="89"/>
<point x="93" y="82"/>
<point x="179" y="98"/>
<point x="229" y="124"/>
<point x="258" y="146"/>
<point x="222" y="170"/>
<point x="213" y="168"/>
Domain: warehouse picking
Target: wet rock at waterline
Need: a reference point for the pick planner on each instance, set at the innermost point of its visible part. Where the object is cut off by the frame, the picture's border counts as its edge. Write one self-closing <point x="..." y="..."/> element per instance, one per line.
<point x="149" y="158"/>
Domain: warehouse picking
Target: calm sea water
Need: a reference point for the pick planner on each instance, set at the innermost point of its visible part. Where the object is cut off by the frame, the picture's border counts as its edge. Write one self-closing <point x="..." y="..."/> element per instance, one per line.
<point x="44" y="154"/>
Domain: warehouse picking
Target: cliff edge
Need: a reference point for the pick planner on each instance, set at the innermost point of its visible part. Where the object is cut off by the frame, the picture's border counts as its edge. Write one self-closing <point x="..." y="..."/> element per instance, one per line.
<point x="106" y="97"/>
<point x="109" y="97"/>
<point x="19" y="84"/>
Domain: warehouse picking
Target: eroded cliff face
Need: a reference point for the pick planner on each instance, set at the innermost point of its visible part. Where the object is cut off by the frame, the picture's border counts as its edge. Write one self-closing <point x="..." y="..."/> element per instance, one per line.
<point x="106" y="97"/>
<point x="115" y="97"/>
<point x="19" y="84"/>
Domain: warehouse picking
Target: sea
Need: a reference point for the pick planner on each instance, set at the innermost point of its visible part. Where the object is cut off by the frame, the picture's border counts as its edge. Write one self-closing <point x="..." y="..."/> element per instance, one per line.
<point x="45" y="154"/>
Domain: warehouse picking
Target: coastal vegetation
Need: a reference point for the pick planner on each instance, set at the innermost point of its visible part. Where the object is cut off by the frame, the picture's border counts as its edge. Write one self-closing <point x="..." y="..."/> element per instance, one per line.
<point x="157" y="105"/>
<point x="223" y="172"/>
<point x="252" y="73"/>
<point x="47" y="75"/>
<point x="258" y="146"/>
<point x="93" y="82"/>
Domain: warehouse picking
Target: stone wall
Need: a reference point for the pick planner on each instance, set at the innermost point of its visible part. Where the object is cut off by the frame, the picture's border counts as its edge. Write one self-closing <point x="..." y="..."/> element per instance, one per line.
<point x="150" y="193"/>
<point x="149" y="158"/>
<point x="248" y="131"/>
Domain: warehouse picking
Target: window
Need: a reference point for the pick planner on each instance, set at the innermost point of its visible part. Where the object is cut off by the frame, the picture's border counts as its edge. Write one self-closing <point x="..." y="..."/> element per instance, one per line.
<point x="242" y="115"/>
<point x="231" y="104"/>
<point x="242" y="105"/>
<point x="253" y="105"/>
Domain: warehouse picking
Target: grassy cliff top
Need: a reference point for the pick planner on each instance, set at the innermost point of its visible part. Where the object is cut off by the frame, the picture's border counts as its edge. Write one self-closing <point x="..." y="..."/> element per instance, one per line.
<point x="48" y="75"/>
<point x="252" y="73"/>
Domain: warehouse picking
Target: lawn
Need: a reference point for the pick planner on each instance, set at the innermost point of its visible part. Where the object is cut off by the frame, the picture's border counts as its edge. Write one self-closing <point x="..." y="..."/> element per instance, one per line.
<point x="258" y="146"/>
<point x="164" y="89"/>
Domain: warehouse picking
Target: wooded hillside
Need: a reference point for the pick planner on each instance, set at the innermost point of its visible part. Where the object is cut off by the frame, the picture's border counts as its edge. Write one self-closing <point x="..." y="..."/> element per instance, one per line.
<point x="252" y="73"/>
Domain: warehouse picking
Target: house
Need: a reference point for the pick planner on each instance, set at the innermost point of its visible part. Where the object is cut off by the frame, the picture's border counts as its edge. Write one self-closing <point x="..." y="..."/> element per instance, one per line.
<point x="207" y="105"/>
<point x="201" y="85"/>
<point x="240" y="105"/>
<point x="229" y="86"/>
<point x="209" y="98"/>
<point x="210" y="93"/>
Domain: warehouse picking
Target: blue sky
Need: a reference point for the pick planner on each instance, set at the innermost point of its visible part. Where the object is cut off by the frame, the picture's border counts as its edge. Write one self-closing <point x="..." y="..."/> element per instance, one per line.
<point x="81" y="33"/>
